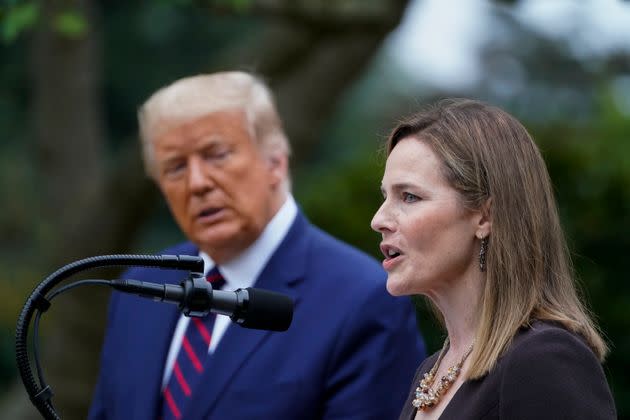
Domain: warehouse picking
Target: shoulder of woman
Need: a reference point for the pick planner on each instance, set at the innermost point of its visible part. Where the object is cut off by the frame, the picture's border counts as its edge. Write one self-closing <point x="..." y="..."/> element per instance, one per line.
<point x="542" y="337"/>
<point x="549" y="369"/>
<point x="547" y="348"/>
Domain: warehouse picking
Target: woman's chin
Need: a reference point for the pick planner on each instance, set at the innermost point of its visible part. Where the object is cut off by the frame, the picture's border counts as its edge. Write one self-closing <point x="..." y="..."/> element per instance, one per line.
<point x="395" y="287"/>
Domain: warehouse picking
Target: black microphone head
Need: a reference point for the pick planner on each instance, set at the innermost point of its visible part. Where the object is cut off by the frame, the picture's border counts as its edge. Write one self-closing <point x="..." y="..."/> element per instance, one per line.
<point x="267" y="310"/>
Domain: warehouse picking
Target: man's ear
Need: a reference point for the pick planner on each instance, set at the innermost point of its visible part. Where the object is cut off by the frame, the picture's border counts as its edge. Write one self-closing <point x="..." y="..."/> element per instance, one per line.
<point x="484" y="222"/>
<point x="278" y="164"/>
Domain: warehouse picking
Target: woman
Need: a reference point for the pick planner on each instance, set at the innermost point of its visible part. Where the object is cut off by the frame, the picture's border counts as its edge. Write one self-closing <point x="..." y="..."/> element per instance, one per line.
<point x="469" y="220"/>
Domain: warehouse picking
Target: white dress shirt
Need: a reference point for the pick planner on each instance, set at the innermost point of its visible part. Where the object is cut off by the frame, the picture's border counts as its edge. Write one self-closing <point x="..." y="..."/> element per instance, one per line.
<point x="240" y="272"/>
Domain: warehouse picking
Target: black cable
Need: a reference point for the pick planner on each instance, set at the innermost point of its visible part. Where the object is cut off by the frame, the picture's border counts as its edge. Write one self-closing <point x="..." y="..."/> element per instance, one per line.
<point x="37" y="304"/>
<point x="60" y="290"/>
<point x="38" y="367"/>
<point x="38" y="314"/>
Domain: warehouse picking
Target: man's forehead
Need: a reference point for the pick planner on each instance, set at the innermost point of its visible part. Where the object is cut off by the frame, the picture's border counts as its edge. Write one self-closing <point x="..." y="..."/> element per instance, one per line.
<point x="234" y="119"/>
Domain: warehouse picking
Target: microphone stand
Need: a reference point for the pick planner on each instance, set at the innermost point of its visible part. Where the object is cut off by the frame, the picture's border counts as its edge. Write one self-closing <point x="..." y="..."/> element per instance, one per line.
<point x="39" y="301"/>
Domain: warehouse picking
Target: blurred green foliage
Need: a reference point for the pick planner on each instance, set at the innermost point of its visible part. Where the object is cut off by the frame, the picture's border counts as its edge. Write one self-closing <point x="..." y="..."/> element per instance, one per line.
<point x="16" y="18"/>
<point x="590" y="167"/>
<point x="70" y="24"/>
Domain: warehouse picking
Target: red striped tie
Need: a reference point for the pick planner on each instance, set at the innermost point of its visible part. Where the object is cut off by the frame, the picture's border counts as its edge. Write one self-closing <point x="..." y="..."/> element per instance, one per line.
<point x="188" y="366"/>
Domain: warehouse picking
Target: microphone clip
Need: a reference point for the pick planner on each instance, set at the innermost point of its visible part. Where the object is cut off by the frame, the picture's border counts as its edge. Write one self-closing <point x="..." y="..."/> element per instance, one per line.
<point x="197" y="299"/>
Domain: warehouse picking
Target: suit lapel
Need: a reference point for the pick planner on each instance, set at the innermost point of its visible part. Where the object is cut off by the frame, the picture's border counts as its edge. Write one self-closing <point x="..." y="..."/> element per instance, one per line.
<point x="282" y="274"/>
<point x="149" y="384"/>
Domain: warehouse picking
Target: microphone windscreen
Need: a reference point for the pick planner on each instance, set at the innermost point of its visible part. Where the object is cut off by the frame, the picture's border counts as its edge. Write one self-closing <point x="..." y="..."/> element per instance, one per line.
<point x="268" y="310"/>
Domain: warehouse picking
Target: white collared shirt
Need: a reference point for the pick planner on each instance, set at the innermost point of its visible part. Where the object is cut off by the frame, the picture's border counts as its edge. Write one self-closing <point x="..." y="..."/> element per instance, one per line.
<point x="240" y="272"/>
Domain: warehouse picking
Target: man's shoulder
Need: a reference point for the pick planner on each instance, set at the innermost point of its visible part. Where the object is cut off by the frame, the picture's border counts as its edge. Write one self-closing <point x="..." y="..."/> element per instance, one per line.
<point x="342" y="255"/>
<point x="182" y="248"/>
<point x="336" y="267"/>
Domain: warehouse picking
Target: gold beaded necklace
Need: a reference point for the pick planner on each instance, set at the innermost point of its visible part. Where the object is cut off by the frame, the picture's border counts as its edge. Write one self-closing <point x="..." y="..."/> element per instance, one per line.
<point x="426" y="397"/>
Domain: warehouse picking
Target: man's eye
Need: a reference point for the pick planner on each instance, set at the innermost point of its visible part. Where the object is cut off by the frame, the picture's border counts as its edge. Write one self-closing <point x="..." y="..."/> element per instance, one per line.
<point x="174" y="168"/>
<point x="218" y="154"/>
<point x="410" y="198"/>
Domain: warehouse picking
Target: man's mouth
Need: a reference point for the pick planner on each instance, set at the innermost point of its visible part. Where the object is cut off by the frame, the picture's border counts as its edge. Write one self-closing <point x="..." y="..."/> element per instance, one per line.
<point x="209" y="214"/>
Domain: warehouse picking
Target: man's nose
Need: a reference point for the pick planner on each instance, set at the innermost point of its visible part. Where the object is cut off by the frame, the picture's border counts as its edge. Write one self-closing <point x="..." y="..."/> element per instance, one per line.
<point x="199" y="179"/>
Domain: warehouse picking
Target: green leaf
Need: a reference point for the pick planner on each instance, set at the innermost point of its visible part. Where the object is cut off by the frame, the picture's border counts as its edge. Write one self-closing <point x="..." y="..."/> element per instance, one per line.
<point x="70" y="24"/>
<point x="18" y="19"/>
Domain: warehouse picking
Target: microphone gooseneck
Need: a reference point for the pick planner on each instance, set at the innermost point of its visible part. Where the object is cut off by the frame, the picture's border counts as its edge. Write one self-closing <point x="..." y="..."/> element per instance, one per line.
<point x="40" y="394"/>
<point x="249" y="308"/>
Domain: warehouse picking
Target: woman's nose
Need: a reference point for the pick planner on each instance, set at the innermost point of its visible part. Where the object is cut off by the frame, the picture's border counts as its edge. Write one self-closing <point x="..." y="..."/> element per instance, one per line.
<point x="381" y="221"/>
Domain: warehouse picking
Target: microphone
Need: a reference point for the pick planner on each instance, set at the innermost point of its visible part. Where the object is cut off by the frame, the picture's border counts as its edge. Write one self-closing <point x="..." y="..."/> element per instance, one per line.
<point x="250" y="308"/>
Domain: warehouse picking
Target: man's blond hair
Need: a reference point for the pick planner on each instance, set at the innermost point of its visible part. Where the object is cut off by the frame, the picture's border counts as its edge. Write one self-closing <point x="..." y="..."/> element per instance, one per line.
<point x="193" y="97"/>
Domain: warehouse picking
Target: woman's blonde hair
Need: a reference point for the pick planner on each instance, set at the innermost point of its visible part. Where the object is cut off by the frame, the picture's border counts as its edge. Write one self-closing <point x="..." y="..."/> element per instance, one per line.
<point x="486" y="154"/>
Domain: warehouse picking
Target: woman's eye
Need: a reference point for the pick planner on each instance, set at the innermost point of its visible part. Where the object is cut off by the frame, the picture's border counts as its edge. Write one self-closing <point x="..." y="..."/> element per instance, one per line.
<point x="410" y="198"/>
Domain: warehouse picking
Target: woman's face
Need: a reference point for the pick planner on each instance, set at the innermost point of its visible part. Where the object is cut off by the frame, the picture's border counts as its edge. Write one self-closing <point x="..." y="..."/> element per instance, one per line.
<point x="428" y="236"/>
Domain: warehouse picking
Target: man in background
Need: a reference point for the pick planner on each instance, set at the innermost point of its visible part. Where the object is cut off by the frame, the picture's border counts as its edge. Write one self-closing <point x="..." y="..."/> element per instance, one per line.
<point x="215" y="146"/>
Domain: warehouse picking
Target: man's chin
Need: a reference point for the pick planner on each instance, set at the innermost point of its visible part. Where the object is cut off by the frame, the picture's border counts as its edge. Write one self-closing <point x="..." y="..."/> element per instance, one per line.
<point x="222" y="246"/>
<point x="214" y="236"/>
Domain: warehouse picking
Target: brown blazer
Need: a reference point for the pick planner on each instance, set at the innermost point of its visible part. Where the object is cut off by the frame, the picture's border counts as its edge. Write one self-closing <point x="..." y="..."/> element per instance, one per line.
<point x="547" y="373"/>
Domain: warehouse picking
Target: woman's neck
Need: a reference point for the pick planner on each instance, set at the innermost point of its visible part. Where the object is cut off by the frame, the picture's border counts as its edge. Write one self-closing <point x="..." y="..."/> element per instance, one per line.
<point x="459" y="308"/>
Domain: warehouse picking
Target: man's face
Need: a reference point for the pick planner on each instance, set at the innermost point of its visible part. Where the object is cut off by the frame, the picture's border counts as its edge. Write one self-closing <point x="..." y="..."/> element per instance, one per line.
<point x="221" y="189"/>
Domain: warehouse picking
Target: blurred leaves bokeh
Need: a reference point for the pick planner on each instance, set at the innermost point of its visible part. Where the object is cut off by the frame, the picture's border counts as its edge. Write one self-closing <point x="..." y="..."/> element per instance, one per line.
<point x="74" y="72"/>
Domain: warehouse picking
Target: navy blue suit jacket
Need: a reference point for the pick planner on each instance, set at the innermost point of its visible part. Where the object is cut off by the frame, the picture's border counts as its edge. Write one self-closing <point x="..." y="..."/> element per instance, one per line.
<point x="350" y="352"/>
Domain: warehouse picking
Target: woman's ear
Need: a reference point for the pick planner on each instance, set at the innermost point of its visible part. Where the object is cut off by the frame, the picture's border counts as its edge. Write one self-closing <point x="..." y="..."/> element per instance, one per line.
<point x="484" y="223"/>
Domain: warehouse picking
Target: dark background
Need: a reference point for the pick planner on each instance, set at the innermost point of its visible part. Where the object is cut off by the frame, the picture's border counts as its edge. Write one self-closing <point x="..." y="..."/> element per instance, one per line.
<point x="73" y="73"/>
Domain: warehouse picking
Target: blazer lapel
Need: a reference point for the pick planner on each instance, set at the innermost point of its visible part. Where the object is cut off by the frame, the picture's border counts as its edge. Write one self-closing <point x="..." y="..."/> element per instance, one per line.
<point x="148" y="386"/>
<point x="282" y="274"/>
